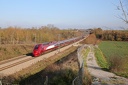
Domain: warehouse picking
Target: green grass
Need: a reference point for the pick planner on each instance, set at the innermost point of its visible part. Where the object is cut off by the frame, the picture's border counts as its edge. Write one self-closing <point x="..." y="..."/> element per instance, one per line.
<point x="101" y="60"/>
<point x="116" y="53"/>
<point x="86" y="52"/>
<point x="110" y="48"/>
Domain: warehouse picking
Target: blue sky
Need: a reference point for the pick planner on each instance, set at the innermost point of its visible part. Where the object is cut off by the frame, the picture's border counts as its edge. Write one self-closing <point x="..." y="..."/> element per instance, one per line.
<point x="60" y="13"/>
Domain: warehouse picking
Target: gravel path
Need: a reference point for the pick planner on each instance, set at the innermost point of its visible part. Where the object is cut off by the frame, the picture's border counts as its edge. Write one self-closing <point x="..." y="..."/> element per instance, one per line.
<point x="101" y="77"/>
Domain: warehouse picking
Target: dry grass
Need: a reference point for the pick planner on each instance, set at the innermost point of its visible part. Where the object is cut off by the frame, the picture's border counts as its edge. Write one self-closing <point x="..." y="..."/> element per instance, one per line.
<point x="118" y="65"/>
<point x="91" y="40"/>
<point x="10" y="51"/>
<point x="88" y="78"/>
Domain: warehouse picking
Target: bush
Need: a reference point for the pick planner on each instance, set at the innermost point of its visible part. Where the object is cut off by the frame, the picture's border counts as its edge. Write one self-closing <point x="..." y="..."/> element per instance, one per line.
<point x="117" y="64"/>
<point x="90" y="40"/>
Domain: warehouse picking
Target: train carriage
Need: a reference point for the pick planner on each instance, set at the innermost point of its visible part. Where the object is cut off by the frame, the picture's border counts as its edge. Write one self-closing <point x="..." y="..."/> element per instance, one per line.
<point x="41" y="48"/>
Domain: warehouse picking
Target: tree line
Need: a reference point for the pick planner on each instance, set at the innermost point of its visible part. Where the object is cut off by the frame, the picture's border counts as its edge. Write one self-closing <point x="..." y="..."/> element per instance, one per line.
<point x="115" y="35"/>
<point x="112" y="35"/>
<point x="17" y="35"/>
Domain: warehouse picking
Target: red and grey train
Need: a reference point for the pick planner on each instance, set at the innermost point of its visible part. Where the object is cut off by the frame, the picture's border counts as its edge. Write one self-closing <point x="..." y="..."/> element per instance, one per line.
<point x="42" y="48"/>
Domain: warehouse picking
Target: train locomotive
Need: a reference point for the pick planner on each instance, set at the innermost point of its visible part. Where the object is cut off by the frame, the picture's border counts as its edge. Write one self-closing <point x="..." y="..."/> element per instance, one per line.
<point x="44" y="47"/>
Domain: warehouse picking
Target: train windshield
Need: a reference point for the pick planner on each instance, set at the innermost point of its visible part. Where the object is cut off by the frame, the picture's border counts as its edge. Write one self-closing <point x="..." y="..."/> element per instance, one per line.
<point x="36" y="47"/>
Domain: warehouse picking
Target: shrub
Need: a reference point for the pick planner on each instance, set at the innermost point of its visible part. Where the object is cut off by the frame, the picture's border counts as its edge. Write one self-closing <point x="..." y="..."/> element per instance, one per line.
<point x="116" y="64"/>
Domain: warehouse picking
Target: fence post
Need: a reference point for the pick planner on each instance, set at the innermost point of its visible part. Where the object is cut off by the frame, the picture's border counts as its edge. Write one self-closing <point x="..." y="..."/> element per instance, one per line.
<point x="46" y="81"/>
<point x="0" y="82"/>
<point x="73" y="82"/>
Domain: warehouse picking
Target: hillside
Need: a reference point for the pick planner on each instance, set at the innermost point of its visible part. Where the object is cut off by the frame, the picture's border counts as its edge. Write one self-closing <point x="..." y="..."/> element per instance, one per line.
<point x="10" y="51"/>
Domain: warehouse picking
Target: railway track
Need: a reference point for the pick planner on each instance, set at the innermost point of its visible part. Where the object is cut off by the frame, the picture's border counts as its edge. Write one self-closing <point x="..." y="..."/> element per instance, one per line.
<point x="6" y="64"/>
<point x="14" y="61"/>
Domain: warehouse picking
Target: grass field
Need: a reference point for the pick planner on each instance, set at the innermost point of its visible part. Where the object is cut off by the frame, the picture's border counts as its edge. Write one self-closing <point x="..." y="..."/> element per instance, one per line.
<point x="116" y="54"/>
<point x="112" y="48"/>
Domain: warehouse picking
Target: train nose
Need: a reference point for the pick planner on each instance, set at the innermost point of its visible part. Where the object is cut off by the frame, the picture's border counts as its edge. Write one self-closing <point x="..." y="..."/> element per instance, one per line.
<point x="35" y="53"/>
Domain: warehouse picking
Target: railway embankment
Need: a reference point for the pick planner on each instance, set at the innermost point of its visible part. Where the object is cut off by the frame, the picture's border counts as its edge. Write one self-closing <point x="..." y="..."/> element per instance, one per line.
<point x="34" y="73"/>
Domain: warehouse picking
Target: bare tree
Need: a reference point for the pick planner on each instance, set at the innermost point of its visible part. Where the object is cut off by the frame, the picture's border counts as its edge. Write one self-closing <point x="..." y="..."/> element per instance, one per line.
<point x="123" y="8"/>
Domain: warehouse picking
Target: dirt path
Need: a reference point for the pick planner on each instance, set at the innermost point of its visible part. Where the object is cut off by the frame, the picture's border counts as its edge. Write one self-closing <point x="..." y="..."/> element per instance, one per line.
<point x="101" y="77"/>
